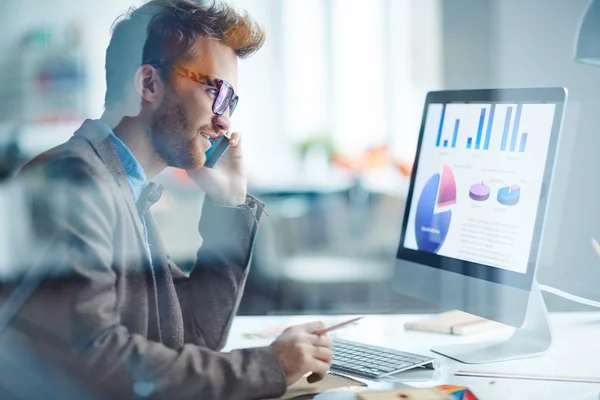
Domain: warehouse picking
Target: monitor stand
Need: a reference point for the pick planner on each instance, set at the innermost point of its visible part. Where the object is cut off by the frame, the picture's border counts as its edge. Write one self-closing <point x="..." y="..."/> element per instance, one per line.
<point x="531" y="340"/>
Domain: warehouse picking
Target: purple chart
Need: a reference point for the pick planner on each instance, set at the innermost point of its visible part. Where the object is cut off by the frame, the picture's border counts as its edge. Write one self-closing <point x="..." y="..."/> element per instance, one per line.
<point x="479" y="192"/>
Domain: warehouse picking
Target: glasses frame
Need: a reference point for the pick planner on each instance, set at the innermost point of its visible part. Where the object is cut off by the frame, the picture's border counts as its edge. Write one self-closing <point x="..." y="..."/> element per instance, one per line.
<point x="224" y="88"/>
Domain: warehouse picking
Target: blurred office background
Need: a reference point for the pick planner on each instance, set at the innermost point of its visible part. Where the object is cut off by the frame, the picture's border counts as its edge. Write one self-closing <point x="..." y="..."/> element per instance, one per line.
<point x="330" y="110"/>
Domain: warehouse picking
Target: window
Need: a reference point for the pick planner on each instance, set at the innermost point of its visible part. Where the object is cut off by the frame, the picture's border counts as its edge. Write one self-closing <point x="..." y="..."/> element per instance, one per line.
<point x="354" y="71"/>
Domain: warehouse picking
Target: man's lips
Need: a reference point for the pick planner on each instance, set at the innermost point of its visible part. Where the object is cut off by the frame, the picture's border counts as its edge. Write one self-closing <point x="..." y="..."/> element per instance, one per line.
<point x="209" y="135"/>
<point x="207" y="141"/>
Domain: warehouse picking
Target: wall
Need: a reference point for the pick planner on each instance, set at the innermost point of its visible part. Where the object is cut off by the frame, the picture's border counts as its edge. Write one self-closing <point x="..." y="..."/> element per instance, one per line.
<point x="93" y="17"/>
<point x="466" y="27"/>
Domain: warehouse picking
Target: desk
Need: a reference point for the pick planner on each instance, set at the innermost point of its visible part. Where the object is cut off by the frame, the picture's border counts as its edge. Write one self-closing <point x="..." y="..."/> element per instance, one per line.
<point x="576" y="351"/>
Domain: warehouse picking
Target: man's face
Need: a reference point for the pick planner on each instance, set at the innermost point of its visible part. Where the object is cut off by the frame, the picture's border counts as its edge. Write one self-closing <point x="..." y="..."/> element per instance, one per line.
<point x="183" y="120"/>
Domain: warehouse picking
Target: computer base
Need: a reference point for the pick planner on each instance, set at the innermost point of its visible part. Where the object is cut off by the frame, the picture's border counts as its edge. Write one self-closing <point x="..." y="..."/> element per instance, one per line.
<point x="532" y="339"/>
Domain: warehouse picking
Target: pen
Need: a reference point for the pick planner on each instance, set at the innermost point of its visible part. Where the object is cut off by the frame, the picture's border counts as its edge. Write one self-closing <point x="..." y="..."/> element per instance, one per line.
<point x="316" y="377"/>
<point x="337" y="326"/>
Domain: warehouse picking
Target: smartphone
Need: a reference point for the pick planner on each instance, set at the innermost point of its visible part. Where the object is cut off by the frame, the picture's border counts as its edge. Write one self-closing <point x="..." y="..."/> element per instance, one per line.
<point x="218" y="148"/>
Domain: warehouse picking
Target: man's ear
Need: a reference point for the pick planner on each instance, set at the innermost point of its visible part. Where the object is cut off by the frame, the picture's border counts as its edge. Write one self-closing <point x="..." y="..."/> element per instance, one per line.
<point x="148" y="83"/>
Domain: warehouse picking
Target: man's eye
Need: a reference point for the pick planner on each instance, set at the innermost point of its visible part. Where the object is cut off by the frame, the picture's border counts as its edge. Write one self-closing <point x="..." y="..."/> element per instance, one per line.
<point x="213" y="91"/>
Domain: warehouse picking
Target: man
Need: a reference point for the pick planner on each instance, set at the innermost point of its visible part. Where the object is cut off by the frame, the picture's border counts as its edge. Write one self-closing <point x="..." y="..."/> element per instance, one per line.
<point x="109" y="314"/>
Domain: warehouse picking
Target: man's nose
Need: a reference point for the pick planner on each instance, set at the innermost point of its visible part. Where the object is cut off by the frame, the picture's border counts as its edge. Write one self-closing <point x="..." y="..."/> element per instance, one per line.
<point x="221" y="123"/>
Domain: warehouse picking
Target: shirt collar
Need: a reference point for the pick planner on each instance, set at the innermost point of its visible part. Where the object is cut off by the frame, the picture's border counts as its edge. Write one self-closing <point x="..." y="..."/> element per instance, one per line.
<point x="136" y="177"/>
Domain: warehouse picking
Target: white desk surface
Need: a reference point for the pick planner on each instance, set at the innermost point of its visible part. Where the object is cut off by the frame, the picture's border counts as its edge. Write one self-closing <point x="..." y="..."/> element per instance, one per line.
<point x="575" y="352"/>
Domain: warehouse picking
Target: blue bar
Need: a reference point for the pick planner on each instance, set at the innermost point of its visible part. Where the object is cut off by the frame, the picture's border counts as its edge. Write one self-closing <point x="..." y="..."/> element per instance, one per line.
<point x="480" y="128"/>
<point x="469" y="142"/>
<point x="455" y="135"/>
<point x="445" y="143"/>
<point x="515" y="132"/>
<point x="488" y="134"/>
<point x="506" y="126"/>
<point x="439" y="137"/>
<point x="523" y="142"/>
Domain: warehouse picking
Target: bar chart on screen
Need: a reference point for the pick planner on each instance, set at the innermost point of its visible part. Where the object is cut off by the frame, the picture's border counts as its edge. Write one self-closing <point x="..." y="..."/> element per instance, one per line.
<point x="480" y="177"/>
<point x="497" y="127"/>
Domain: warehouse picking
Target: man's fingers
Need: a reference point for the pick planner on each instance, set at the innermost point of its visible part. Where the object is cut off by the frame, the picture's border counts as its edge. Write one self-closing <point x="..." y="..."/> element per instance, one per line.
<point x="322" y="353"/>
<point x="235" y="139"/>
<point x="312" y="327"/>
<point x="320" y="340"/>
<point x="319" y="367"/>
<point x="234" y="154"/>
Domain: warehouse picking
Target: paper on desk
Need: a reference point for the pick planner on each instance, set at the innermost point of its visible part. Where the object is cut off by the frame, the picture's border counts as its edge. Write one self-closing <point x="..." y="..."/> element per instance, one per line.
<point x="454" y="322"/>
<point x="592" y="395"/>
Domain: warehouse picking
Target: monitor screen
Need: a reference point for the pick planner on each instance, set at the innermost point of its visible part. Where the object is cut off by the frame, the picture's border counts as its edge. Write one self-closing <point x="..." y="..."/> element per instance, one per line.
<point x="479" y="186"/>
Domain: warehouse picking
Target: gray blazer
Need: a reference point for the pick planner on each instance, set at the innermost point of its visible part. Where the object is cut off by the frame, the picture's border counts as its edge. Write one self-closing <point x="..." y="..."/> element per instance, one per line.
<point x="105" y="322"/>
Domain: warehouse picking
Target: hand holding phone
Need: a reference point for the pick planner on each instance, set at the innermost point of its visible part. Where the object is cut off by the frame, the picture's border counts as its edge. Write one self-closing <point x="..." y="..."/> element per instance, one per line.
<point x="218" y="148"/>
<point x="226" y="183"/>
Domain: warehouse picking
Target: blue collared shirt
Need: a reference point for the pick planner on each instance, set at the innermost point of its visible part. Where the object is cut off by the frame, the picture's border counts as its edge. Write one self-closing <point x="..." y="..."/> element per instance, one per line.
<point x="135" y="174"/>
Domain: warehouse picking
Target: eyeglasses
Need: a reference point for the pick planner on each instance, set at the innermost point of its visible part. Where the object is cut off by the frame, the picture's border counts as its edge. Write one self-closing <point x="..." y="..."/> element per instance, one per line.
<point x="225" y="97"/>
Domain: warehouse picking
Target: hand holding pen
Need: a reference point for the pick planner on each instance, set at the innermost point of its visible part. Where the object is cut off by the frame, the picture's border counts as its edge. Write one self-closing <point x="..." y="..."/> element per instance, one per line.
<point x="306" y="348"/>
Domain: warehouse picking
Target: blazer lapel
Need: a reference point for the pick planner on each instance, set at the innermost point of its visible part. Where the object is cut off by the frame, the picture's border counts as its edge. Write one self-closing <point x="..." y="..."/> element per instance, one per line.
<point x="171" y="318"/>
<point x="100" y="141"/>
<point x="103" y="146"/>
<point x="168" y="309"/>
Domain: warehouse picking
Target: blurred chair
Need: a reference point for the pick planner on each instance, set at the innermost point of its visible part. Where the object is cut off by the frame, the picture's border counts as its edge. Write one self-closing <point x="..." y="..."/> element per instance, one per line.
<point x="314" y="252"/>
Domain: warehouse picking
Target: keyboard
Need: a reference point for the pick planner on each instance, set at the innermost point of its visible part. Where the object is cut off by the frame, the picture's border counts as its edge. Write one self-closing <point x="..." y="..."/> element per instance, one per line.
<point x="374" y="362"/>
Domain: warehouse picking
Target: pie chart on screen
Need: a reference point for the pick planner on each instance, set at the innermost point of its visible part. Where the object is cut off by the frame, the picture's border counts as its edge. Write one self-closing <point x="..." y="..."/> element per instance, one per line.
<point x="431" y="224"/>
<point x="509" y="195"/>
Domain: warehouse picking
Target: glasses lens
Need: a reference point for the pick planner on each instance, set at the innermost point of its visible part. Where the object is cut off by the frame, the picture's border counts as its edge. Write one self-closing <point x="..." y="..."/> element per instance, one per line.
<point x="223" y="99"/>
<point x="233" y="104"/>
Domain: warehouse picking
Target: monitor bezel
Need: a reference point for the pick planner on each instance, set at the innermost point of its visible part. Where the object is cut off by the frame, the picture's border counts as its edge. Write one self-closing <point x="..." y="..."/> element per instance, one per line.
<point x="555" y="95"/>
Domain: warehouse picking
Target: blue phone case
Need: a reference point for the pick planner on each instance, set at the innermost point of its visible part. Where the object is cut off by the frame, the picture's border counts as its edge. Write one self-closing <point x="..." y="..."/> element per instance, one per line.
<point x="218" y="148"/>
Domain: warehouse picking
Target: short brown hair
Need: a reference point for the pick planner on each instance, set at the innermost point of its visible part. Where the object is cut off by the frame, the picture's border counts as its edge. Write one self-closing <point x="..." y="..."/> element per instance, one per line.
<point x="164" y="31"/>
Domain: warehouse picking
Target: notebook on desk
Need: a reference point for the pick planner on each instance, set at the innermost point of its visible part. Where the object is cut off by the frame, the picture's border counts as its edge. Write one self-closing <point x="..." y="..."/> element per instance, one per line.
<point x="453" y="322"/>
<point x="303" y="390"/>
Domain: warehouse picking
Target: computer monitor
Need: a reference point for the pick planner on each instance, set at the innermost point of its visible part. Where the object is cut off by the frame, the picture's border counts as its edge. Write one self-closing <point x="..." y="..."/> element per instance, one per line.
<point x="475" y="211"/>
